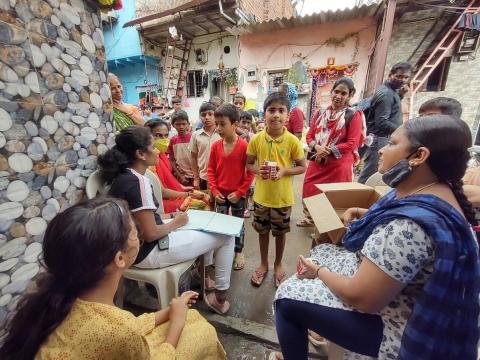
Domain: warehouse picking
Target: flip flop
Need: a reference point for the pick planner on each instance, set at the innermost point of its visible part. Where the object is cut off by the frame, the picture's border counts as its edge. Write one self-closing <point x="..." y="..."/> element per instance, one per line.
<point x="258" y="277"/>
<point x="238" y="261"/>
<point x="212" y="302"/>
<point x="279" y="279"/>
<point x="305" y="223"/>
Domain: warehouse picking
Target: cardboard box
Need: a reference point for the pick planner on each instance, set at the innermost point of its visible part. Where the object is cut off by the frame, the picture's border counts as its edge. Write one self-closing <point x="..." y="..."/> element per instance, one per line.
<point x="327" y="208"/>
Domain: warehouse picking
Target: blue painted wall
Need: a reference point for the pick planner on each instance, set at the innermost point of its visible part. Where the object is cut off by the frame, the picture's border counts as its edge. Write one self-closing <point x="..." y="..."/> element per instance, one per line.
<point x="122" y="42"/>
<point x="124" y="54"/>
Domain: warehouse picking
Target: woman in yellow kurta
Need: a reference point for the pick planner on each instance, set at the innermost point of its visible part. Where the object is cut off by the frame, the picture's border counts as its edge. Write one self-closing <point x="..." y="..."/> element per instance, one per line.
<point x="124" y="115"/>
<point x="72" y="316"/>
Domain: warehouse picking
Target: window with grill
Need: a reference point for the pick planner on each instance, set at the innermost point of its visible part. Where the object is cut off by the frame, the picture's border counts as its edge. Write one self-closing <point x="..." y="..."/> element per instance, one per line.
<point x="194" y="83"/>
<point x="276" y="78"/>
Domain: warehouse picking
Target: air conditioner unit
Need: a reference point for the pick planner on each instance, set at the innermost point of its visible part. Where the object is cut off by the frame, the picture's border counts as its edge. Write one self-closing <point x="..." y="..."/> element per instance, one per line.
<point x="252" y="73"/>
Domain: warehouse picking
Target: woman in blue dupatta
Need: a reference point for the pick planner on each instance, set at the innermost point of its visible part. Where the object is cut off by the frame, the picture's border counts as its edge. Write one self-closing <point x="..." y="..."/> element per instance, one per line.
<point x="406" y="284"/>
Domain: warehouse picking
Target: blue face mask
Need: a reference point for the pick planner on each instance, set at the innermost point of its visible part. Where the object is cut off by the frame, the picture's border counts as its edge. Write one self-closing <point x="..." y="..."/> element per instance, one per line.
<point x="398" y="172"/>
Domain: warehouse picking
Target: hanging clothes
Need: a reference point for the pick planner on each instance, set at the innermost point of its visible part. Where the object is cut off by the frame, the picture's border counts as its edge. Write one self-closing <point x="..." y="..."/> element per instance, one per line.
<point x="470" y="22"/>
<point x="204" y="79"/>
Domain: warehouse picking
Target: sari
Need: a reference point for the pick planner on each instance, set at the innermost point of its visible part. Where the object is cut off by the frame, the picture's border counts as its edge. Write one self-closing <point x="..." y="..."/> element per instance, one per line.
<point x="121" y="119"/>
<point x="444" y="320"/>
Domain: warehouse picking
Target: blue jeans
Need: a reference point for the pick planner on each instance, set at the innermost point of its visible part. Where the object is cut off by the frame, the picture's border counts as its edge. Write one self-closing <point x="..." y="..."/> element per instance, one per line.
<point x="358" y="332"/>
<point x="370" y="160"/>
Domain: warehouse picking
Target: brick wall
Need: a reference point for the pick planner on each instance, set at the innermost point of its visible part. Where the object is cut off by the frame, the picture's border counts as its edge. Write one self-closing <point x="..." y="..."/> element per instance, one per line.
<point x="268" y="9"/>
<point x="463" y="81"/>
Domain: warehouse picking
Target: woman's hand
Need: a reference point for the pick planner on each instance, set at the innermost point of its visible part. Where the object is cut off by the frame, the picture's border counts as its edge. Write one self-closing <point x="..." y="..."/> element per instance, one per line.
<point x="196" y="183"/>
<point x="178" y="315"/>
<point x="180" y="305"/>
<point x="180" y="220"/>
<point x="352" y="214"/>
<point x="322" y="151"/>
<point x="310" y="269"/>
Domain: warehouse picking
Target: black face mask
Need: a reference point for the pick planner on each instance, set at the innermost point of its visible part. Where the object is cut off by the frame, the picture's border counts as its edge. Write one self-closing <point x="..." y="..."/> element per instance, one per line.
<point x="398" y="172"/>
<point x="396" y="84"/>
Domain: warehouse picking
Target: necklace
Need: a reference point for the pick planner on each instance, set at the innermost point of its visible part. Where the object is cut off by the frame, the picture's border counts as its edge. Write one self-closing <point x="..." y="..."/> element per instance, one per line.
<point x="423" y="188"/>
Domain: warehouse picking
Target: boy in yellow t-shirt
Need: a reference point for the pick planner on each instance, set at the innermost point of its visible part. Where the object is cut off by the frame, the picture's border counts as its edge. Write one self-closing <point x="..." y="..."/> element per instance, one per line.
<point x="273" y="195"/>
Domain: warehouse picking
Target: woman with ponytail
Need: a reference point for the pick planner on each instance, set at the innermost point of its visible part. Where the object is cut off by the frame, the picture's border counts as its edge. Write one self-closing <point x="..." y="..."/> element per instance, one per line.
<point x="71" y="314"/>
<point x="163" y="242"/>
<point x="406" y="284"/>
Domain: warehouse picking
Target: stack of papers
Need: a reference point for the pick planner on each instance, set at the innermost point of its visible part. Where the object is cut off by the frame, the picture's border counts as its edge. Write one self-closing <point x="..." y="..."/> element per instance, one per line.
<point x="213" y="222"/>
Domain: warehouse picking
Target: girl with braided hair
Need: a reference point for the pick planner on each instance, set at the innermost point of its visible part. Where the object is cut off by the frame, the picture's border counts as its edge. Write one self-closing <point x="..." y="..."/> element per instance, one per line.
<point x="409" y="271"/>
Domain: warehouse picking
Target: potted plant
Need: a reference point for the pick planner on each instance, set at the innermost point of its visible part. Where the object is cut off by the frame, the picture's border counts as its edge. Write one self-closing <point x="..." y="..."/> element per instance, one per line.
<point x="231" y="81"/>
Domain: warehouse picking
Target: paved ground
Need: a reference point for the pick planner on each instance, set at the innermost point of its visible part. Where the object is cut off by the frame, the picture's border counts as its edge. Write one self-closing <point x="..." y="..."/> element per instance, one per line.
<point x="248" y="332"/>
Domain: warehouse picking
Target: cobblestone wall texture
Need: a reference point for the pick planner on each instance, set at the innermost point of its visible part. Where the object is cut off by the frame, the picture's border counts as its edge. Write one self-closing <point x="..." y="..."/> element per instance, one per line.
<point x="54" y="121"/>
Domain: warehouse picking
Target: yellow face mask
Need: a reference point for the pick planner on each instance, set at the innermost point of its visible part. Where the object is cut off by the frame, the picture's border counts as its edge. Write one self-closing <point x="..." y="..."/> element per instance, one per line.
<point x="161" y="145"/>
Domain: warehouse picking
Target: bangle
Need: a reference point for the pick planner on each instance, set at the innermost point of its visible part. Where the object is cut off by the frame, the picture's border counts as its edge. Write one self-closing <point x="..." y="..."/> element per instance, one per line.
<point x="318" y="276"/>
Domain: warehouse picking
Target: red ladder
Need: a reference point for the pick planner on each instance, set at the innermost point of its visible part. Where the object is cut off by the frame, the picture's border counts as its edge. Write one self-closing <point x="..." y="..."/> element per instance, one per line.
<point x="442" y="49"/>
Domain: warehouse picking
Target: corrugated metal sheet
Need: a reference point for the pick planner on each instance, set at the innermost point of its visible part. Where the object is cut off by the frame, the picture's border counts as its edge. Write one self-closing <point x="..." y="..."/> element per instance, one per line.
<point x="312" y="19"/>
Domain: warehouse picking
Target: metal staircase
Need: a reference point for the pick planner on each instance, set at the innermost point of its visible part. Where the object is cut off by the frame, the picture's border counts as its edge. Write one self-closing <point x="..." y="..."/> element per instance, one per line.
<point x="442" y="50"/>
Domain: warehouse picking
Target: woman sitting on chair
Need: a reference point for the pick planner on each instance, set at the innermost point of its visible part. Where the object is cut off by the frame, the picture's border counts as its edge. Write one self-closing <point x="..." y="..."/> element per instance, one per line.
<point x="71" y="314"/>
<point x="406" y="285"/>
<point x="124" y="167"/>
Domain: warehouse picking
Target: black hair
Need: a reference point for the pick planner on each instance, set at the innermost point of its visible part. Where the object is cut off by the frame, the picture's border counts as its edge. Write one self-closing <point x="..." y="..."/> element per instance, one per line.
<point x="276" y="97"/>
<point x="154" y="123"/>
<point x="246" y="115"/>
<point x="347" y="82"/>
<point x="240" y="96"/>
<point x="253" y="112"/>
<point x="179" y="115"/>
<point x="446" y="105"/>
<point x="176" y="100"/>
<point x="404" y="66"/>
<point x="124" y="153"/>
<point x="206" y="106"/>
<point x="229" y="111"/>
<point x="213" y="98"/>
<point x="75" y="258"/>
<point x="448" y="157"/>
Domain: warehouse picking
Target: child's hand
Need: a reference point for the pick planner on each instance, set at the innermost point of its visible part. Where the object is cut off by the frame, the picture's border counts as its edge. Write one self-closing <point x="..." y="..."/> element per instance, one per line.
<point x="220" y="199"/>
<point x="281" y="172"/>
<point x="233" y="197"/>
<point x="264" y="172"/>
<point x="196" y="183"/>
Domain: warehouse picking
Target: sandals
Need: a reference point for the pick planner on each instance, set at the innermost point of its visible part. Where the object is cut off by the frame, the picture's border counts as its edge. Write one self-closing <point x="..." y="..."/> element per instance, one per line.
<point x="238" y="261"/>
<point x="279" y="279"/>
<point x="305" y="222"/>
<point x="258" y="277"/>
<point x="212" y="302"/>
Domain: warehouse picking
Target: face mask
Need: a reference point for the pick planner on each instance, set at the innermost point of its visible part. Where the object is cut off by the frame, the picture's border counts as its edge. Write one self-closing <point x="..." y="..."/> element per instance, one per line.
<point x="161" y="145"/>
<point x="396" y="84"/>
<point x="398" y="172"/>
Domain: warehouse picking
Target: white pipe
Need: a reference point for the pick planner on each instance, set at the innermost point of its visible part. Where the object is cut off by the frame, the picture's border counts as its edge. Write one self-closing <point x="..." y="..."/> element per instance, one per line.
<point x="225" y="15"/>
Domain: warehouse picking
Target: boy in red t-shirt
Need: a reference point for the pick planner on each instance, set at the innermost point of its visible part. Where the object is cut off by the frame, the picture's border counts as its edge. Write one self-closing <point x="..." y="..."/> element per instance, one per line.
<point x="228" y="178"/>
<point x="178" y="151"/>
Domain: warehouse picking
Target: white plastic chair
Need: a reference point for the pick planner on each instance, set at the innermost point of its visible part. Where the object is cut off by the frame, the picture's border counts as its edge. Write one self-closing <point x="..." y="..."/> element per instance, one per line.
<point x="165" y="280"/>
<point x="95" y="185"/>
<point x="157" y="189"/>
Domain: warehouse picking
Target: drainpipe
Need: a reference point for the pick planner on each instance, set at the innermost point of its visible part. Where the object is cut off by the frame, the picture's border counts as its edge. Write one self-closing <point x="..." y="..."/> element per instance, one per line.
<point x="225" y="15"/>
<point x="242" y="16"/>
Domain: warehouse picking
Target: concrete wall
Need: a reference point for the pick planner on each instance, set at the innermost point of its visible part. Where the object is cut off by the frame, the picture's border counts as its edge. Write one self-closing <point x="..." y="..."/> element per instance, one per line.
<point x="213" y="45"/>
<point x="53" y="124"/>
<point x="268" y="9"/>
<point x="281" y="49"/>
<point x="463" y="81"/>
